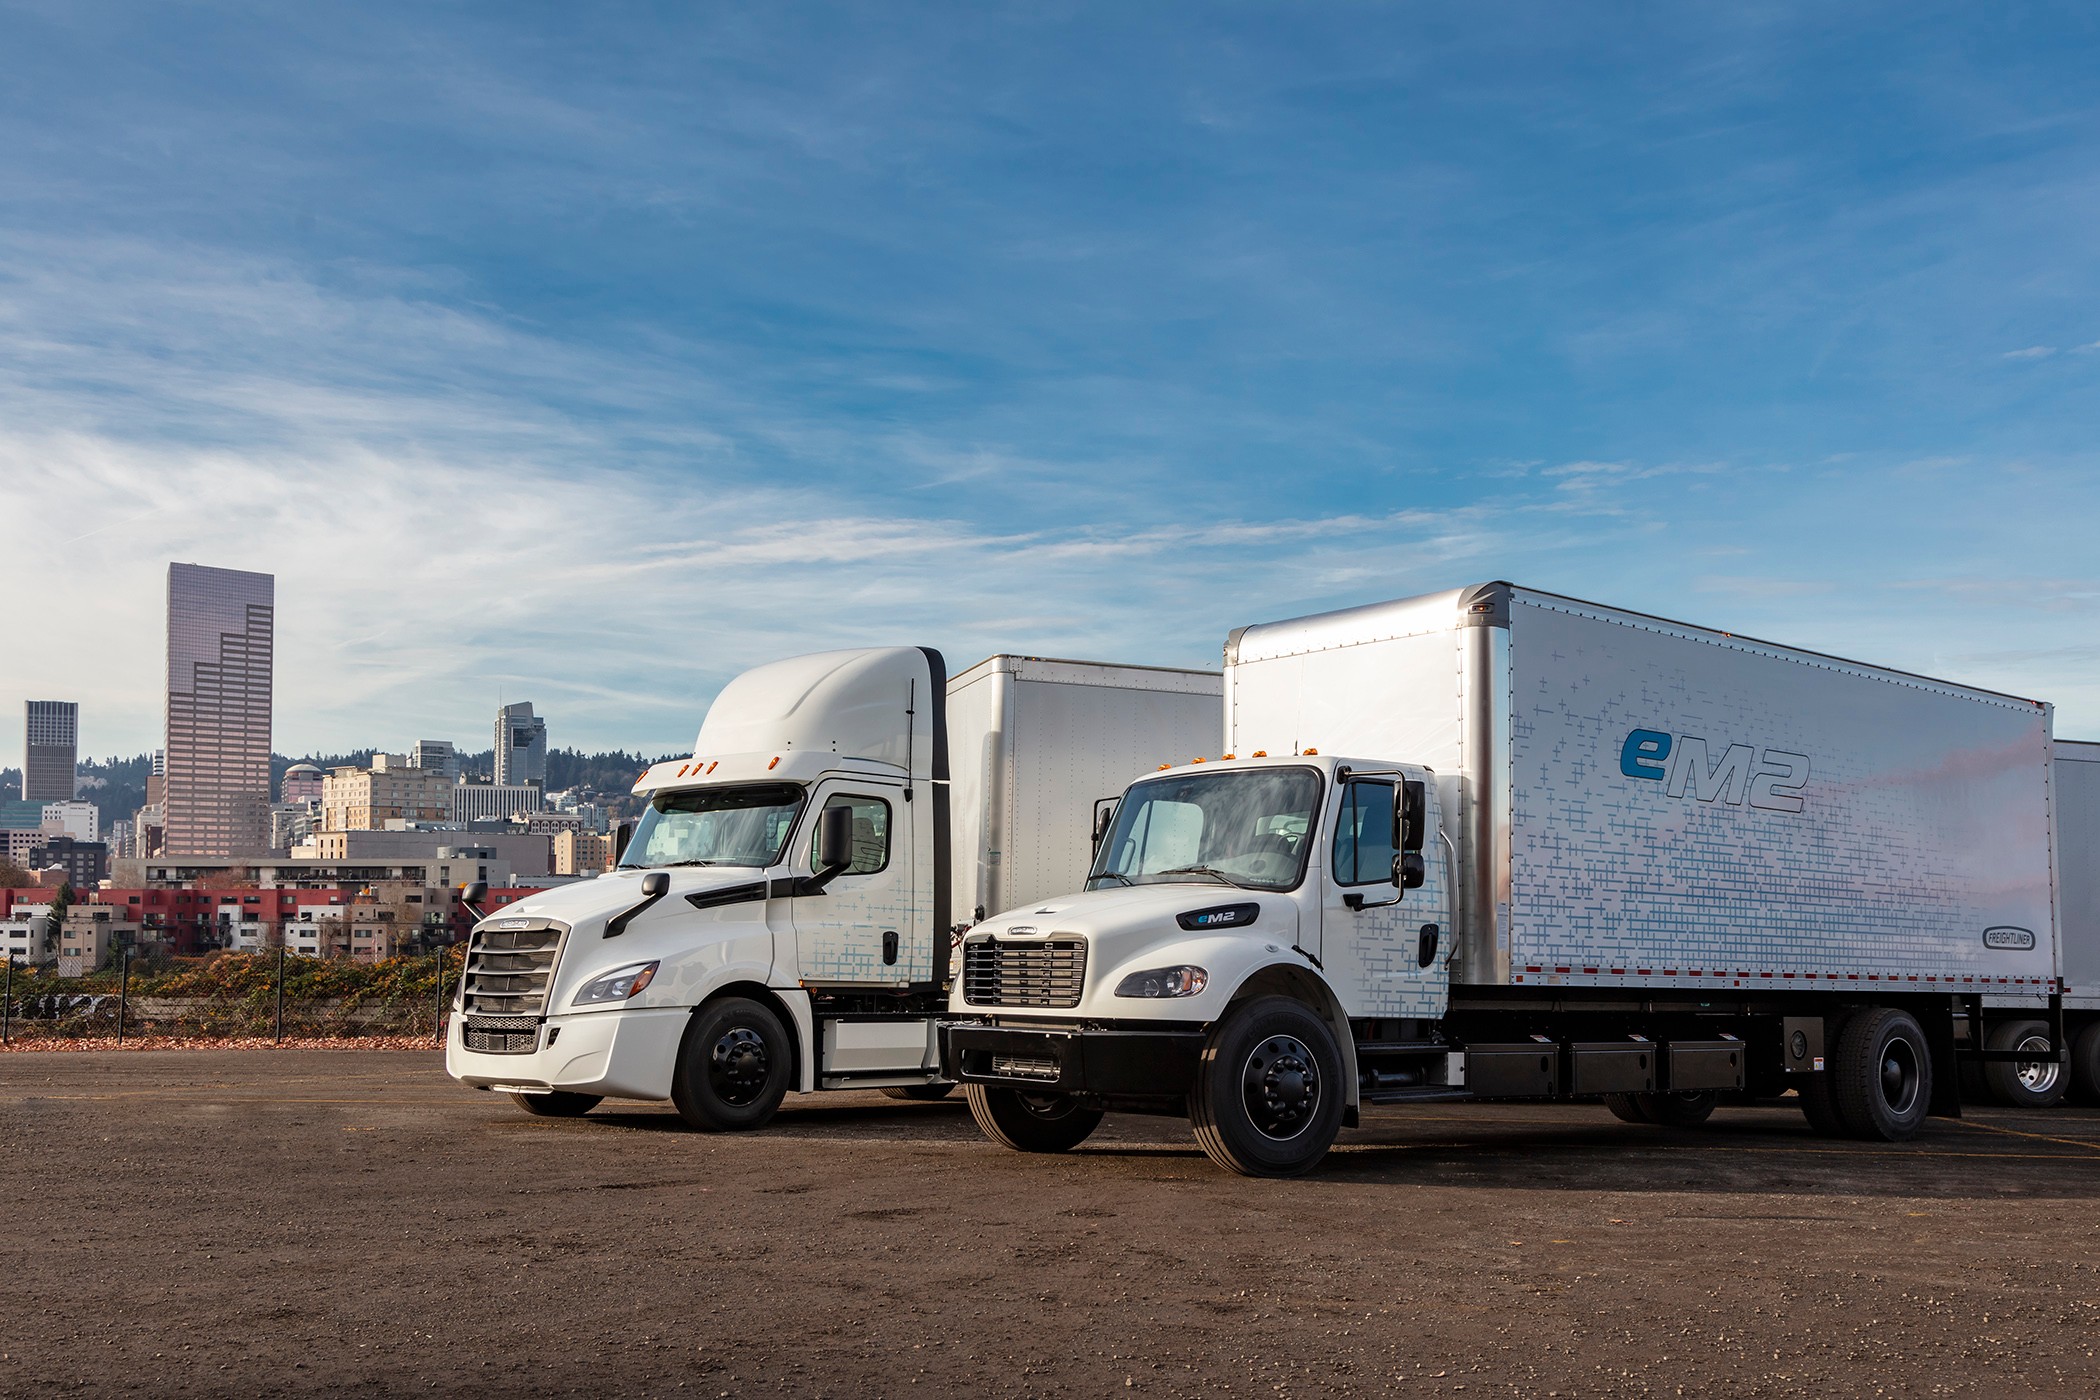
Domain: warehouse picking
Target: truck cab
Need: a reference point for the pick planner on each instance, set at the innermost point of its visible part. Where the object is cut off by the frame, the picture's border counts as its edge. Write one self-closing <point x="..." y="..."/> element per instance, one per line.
<point x="779" y="919"/>
<point x="1258" y="937"/>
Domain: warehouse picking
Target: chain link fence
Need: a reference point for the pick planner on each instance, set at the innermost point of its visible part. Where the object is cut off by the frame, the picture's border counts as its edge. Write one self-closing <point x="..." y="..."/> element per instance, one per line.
<point x="234" y="996"/>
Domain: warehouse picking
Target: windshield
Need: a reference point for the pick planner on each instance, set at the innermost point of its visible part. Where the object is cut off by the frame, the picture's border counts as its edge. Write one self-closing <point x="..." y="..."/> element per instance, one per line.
<point x="715" y="826"/>
<point x="1250" y="828"/>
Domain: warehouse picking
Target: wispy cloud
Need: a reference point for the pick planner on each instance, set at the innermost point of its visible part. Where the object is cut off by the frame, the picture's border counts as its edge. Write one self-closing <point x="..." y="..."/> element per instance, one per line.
<point x="2031" y="352"/>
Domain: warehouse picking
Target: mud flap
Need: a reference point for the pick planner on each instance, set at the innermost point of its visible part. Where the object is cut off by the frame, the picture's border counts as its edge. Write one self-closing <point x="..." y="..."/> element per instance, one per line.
<point x="1938" y="1025"/>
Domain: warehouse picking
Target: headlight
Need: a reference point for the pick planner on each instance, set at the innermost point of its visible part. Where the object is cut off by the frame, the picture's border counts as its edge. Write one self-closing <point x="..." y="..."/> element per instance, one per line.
<point x="617" y="985"/>
<point x="1181" y="981"/>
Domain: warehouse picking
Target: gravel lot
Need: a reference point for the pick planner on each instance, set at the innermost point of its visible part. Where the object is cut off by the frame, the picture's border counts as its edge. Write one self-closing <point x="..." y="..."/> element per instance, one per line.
<point x="226" y="1222"/>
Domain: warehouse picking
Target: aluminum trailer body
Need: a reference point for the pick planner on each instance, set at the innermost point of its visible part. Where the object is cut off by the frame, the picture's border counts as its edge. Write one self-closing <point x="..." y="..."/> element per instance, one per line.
<point x="784" y="915"/>
<point x="1034" y="741"/>
<point x="1630" y="859"/>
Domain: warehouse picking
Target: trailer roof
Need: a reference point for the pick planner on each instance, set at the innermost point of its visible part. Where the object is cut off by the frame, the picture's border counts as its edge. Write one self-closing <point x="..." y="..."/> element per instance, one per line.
<point x="1488" y="603"/>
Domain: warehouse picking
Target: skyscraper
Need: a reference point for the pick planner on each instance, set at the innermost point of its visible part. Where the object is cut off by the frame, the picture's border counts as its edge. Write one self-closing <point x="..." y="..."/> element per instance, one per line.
<point x="521" y="746"/>
<point x="221" y="631"/>
<point x="51" y="752"/>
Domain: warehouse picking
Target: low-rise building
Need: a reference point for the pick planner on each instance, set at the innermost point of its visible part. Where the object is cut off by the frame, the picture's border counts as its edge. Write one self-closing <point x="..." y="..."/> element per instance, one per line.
<point x="365" y="799"/>
<point x="85" y="863"/>
<point x="28" y="933"/>
<point x="525" y="856"/>
<point x="80" y="820"/>
<point x="473" y="802"/>
<point x="579" y="852"/>
<point x="90" y="934"/>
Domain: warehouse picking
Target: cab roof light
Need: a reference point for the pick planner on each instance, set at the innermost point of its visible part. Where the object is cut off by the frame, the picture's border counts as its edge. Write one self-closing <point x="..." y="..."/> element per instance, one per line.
<point x="1163" y="767"/>
<point x="1312" y="753"/>
<point x="1195" y="760"/>
<point x="1226" y="758"/>
<point x="1259" y="753"/>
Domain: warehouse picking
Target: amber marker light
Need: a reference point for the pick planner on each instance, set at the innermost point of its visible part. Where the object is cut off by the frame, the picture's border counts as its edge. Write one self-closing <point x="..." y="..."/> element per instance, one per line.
<point x="1312" y="753"/>
<point x="1259" y="753"/>
<point x="774" y="764"/>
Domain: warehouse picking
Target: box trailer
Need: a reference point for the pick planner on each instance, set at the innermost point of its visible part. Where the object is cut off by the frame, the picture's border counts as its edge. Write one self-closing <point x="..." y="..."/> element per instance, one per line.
<point x="1497" y="843"/>
<point x="784" y="913"/>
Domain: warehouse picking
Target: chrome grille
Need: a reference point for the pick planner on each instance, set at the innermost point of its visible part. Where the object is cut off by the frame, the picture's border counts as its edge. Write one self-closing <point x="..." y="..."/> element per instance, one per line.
<point x="1047" y="972"/>
<point x="504" y="988"/>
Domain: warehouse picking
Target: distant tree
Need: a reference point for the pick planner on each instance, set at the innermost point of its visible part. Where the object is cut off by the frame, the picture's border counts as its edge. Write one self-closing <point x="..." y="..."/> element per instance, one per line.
<point x="12" y="876"/>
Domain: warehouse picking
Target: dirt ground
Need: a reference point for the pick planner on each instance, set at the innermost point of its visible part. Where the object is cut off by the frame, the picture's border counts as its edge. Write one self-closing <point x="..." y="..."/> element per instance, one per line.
<point x="208" y="1223"/>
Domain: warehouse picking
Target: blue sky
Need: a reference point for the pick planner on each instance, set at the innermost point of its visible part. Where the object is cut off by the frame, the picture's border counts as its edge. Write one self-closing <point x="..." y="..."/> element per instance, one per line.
<point x="589" y="354"/>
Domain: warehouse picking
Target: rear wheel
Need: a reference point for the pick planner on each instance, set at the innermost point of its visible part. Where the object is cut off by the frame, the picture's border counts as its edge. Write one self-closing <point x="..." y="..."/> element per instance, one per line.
<point x="1882" y="1079"/>
<point x="1269" y="1096"/>
<point x="1686" y="1110"/>
<point x="919" y="1093"/>
<point x="733" y="1066"/>
<point x="1031" y="1122"/>
<point x="1627" y="1108"/>
<point x="2038" y="1083"/>
<point x="557" y="1105"/>
<point x="2085" y="1064"/>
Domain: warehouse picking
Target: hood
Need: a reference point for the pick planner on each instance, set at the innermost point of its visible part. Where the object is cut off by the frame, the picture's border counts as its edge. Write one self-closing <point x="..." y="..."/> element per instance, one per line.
<point x="606" y="895"/>
<point x="1145" y="909"/>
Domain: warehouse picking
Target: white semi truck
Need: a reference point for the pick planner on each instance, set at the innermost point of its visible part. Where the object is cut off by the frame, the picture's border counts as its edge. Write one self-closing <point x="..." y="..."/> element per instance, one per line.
<point x="782" y="917"/>
<point x="1498" y="844"/>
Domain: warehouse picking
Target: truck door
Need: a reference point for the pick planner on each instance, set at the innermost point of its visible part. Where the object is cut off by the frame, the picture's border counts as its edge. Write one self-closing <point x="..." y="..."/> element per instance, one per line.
<point x="854" y="930"/>
<point x="1384" y="957"/>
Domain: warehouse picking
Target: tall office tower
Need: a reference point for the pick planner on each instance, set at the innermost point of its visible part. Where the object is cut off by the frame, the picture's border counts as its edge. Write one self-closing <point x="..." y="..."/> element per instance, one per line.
<point x="436" y="754"/>
<point x="221" y="629"/>
<point x="53" y="747"/>
<point x="521" y="746"/>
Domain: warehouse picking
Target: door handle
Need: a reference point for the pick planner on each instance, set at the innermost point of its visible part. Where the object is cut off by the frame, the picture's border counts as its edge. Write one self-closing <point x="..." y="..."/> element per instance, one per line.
<point x="889" y="946"/>
<point x="1425" y="945"/>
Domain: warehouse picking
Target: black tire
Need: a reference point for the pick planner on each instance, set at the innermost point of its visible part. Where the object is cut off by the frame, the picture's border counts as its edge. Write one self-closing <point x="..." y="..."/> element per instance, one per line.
<point x="1819" y="1106"/>
<point x="919" y="1093"/>
<point x="1030" y="1122"/>
<point x="1881" y="1079"/>
<point x="2085" y="1064"/>
<point x="1269" y="1094"/>
<point x="1686" y="1110"/>
<point x="557" y="1104"/>
<point x="2029" y="1084"/>
<point x="1627" y="1108"/>
<point x="733" y="1066"/>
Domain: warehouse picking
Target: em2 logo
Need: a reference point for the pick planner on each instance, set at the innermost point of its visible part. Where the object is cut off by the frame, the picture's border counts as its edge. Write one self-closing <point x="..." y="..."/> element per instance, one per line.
<point x="1771" y="781"/>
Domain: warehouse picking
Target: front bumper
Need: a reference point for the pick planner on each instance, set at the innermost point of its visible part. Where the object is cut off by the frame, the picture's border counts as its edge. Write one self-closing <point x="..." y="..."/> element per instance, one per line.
<point x="1112" y="1063"/>
<point x="626" y="1054"/>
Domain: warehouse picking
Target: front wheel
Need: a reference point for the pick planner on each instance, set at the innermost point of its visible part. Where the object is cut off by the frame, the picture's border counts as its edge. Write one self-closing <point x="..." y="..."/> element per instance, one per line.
<point x="1030" y="1122"/>
<point x="1268" y="1097"/>
<point x="733" y="1066"/>
<point x="557" y="1104"/>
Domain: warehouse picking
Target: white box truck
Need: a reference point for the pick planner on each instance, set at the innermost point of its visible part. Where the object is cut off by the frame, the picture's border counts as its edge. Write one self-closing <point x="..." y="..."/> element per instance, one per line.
<point x="782" y="916"/>
<point x="1498" y="844"/>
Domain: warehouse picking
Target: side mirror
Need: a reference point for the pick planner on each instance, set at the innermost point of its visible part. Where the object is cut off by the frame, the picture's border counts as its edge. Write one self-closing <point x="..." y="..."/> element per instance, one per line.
<point x="471" y="895"/>
<point x="622" y="834"/>
<point x="1408" y="870"/>
<point x="1104" y="818"/>
<point x="834" y="841"/>
<point x="656" y="884"/>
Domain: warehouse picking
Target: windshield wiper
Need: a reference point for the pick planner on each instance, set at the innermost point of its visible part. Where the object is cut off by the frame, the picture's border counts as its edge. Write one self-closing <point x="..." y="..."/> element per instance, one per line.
<point x="1211" y="871"/>
<point x="1113" y="875"/>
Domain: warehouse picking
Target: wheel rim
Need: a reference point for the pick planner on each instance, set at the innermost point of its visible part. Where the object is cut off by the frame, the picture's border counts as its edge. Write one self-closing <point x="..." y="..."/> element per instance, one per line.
<point x="1048" y="1107"/>
<point x="1280" y="1087"/>
<point x="2036" y="1076"/>
<point x="1899" y="1075"/>
<point x="738" y="1066"/>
